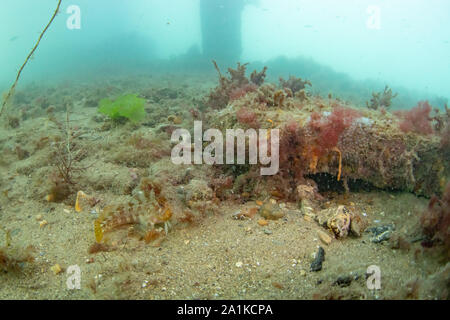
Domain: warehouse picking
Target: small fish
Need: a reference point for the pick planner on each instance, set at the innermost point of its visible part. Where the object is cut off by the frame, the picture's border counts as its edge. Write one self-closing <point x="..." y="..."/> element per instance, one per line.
<point x="14" y="38"/>
<point x="307" y="26"/>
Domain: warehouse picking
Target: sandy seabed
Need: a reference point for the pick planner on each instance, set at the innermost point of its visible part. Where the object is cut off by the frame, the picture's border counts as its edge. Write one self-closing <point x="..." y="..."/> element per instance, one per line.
<point x="211" y="256"/>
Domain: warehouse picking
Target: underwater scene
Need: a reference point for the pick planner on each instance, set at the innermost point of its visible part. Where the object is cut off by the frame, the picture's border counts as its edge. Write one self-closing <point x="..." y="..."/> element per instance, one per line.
<point x="225" y="150"/>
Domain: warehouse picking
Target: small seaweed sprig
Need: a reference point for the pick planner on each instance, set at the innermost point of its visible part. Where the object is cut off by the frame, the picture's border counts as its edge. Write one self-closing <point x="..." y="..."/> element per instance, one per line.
<point x="68" y="152"/>
<point x="12" y="258"/>
<point x="294" y="84"/>
<point x="381" y="99"/>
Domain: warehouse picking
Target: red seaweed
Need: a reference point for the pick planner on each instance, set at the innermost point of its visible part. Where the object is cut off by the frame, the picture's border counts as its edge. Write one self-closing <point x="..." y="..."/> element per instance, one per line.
<point x="417" y="119"/>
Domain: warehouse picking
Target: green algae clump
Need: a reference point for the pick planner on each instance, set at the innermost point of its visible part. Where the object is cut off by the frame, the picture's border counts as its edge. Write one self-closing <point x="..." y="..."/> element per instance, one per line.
<point x="129" y="106"/>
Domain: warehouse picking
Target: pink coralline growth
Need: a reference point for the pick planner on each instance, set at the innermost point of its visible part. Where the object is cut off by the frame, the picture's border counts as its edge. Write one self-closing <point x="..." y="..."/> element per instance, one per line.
<point x="247" y="117"/>
<point x="292" y="127"/>
<point x="436" y="221"/>
<point x="242" y="91"/>
<point x="417" y="119"/>
<point x="316" y="121"/>
<point x="291" y="148"/>
<point x="329" y="129"/>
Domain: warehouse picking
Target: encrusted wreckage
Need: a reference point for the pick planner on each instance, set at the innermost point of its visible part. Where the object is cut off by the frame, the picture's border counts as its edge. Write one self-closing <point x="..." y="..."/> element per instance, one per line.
<point x="328" y="136"/>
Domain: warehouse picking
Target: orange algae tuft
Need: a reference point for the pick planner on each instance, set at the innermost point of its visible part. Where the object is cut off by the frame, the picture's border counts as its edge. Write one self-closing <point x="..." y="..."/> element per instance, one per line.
<point x="80" y="195"/>
<point x="340" y="162"/>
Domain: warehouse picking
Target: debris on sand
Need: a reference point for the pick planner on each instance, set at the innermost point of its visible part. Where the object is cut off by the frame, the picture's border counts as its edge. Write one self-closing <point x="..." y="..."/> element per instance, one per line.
<point x="316" y="265"/>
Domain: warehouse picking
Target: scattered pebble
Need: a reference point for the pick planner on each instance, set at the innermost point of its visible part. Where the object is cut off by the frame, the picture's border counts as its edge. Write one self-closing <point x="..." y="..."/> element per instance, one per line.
<point x="271" y="211"/>
<point x="306" y="192"/>
<point x="263" y="222"/>
<point x="239" y="264"/>
<point x="39" y="217"/>
<point x="56" y="269"/>
<point x="358" y="224"/>
<point x="43" y="223"/>
<point x="324" y="237"/>
<point x="277" y="285"/>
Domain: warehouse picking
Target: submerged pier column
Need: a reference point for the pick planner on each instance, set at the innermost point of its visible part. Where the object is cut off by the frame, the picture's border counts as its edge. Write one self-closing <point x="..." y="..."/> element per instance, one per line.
<point x="221" y="30"/>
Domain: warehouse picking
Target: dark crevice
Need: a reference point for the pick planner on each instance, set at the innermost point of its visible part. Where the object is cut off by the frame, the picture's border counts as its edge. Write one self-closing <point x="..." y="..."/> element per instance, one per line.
<point x="329" y="183"/>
